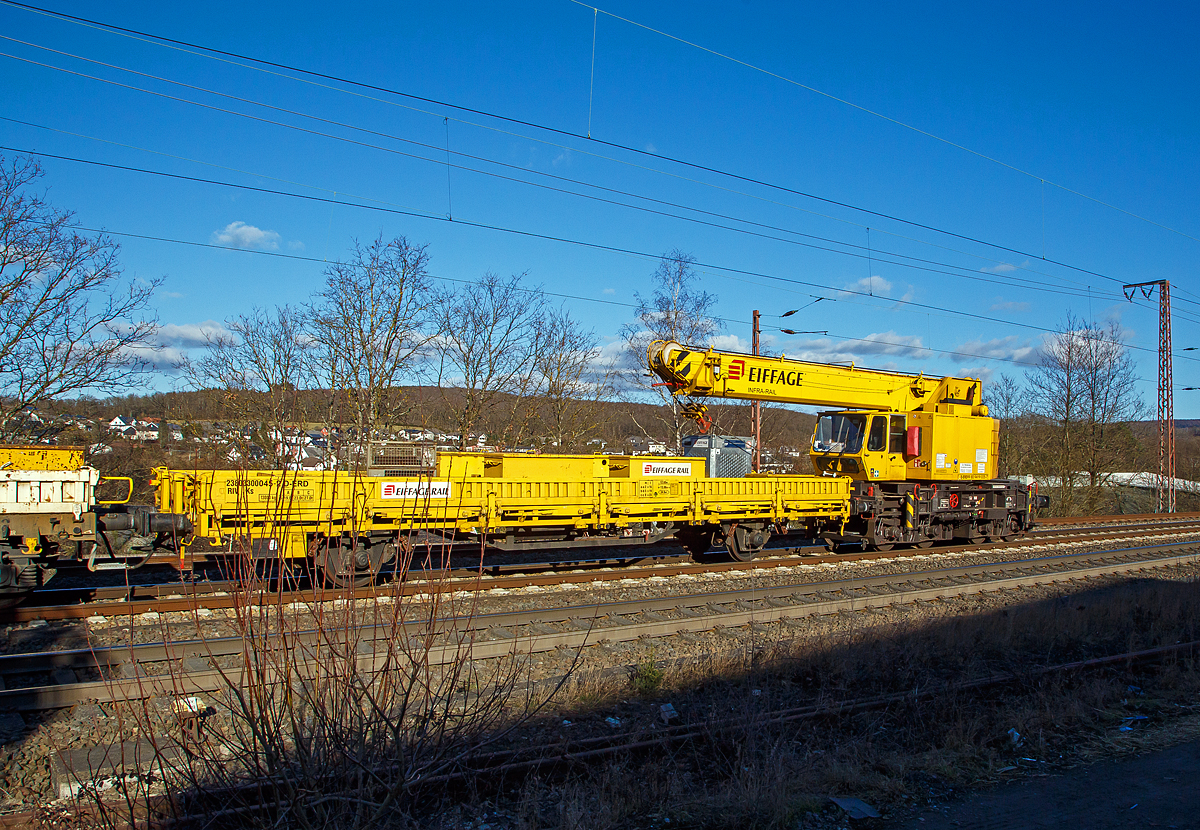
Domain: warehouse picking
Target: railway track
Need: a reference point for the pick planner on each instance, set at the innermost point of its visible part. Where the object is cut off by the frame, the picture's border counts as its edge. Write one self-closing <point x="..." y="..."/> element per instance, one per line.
<point x="80" y="603"/>
<point x="135" y="671"/>
<point x="1116" y="518"/>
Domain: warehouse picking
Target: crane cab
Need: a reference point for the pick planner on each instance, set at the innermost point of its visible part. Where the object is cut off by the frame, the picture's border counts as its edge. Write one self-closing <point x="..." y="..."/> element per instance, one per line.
<point x="913" y="446"/>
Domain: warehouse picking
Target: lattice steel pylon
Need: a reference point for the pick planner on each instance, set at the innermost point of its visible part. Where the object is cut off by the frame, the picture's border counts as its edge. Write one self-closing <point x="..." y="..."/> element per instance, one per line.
<point x="1165" y="501"/>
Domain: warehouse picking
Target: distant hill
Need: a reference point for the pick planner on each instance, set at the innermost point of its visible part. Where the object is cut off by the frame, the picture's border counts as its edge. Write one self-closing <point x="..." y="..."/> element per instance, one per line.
<point x="433" y="407"/>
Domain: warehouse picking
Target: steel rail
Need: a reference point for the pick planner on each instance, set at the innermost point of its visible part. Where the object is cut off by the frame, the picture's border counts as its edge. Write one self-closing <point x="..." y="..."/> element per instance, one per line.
<point x="489" y="636"/>
<point x="1117" y="517"/>
<point x="228" y="594"/>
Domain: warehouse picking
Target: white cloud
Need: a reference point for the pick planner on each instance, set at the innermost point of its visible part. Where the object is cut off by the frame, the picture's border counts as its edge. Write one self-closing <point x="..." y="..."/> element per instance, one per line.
<point x="1004" y="268"/>
<point x="613" y="350"/>
<point x="162" y="359"/>
<point x="295" y="245"/>
<point x="240" y="235"/>
<point x="887" y="343"/>
<point x="732" y="343"/>
<point x="1113" y="314"/>
<point x="190" y="335"/>
<point x="609" y="291"/>
<point x="875" y="285"/>
<point x="982" y="373"/>
<point x="1000" y="348"/>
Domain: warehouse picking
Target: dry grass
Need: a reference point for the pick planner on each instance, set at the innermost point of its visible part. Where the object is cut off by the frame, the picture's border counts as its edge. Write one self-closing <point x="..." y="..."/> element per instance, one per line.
<point x="334" y="714"/>
<point x="758" y="774"/>
<point x="349" y="742"/>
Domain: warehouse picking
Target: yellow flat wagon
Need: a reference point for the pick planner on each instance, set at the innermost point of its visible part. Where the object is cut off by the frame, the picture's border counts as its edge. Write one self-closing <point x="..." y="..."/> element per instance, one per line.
<point x="356" y="523"/>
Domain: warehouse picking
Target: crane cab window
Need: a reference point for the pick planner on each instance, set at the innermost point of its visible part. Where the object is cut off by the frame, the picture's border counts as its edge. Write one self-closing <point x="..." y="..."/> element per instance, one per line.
<point x="877" y="441"/>
<point x="896" y="435"/>
<point x="839" y="433"/>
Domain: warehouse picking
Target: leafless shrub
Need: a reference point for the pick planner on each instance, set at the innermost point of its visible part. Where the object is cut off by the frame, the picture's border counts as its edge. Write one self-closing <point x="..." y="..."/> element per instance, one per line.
<point x="1085" y="385"/>
<point x="334" y="713"/>
<point x="675" y="310"/>
<point x="260" y="365"/>
<point x="369" y="325"/>
<point x="574" y="387"/>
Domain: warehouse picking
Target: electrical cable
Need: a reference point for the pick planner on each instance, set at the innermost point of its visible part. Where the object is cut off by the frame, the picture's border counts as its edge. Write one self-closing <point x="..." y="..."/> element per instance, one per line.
<point x="545" y="237"/>
<point x="212" y="51"/>
<point x="967" y="273"/>
<point x="618" y="303"/>
<point x="892" y="120"/>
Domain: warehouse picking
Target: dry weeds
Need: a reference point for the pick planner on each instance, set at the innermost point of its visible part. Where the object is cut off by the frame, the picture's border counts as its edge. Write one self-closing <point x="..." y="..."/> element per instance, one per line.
<point x="351" y="742"/>
<point x="759" y="774"/>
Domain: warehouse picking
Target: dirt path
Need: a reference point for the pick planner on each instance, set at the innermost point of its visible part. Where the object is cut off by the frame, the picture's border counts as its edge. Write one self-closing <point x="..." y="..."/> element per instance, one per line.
<point x="1157" y="789"/>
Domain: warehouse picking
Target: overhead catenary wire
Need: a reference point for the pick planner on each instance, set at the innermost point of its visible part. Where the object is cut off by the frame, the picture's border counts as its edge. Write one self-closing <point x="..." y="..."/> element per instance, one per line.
<point x="856" y="250"/>
<point x="234" y="58"/>
<point x="735" y="219"/>
<point x="967" y="273"/>
<point x="1042" y="179"/>
<point x="910" y="347"/>
<point x="545" y="237"/>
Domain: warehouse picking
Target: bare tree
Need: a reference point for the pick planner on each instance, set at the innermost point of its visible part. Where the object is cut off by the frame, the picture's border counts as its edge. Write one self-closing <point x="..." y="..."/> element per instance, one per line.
<point x="1006" y="402"/>
<point x="1085" y="385"/>
<point x="676" y="310"/>
<point x="259" y="366"/>
<point x="370" y="324"/>
<point x="492" y="333"/>
<point x="70" y="321"/>
<point x="574" y="385"/>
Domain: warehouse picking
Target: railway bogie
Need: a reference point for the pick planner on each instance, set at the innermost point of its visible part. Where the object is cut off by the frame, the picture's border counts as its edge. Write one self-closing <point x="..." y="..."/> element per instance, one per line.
<point x="885" y="514"/>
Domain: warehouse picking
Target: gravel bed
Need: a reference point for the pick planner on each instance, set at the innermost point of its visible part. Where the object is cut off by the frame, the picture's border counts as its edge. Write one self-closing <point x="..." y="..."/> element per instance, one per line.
<point x="26" y="742"/>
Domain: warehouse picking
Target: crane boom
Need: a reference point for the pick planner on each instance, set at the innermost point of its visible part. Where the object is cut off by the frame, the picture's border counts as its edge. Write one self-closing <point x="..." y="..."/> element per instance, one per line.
<point x="720" y="374"/>
<point x="888" y="426"/>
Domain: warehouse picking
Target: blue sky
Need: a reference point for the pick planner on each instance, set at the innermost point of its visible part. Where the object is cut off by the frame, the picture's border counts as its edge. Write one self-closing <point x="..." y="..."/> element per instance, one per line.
<point x="1075" y="124"/>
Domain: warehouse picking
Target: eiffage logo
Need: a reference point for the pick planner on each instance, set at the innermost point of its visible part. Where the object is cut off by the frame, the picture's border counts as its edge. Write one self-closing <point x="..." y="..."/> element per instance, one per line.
<point x="414" y="490"/>
<point x="653" y="469"/>
<point x="736" y="369"/>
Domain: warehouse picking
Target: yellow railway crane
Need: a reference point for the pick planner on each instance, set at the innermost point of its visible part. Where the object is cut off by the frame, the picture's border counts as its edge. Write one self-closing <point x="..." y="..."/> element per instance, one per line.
<point x="921" y="450"/>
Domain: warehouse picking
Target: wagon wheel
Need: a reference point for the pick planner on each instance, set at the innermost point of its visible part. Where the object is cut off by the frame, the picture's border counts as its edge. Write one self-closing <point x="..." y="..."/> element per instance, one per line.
<point x="743" y="543"/>
<point x="882" y="547"/>
<point x="925" y="544"/>
<point x="345" y="565"/>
